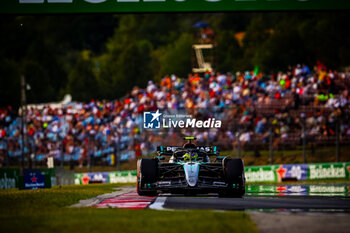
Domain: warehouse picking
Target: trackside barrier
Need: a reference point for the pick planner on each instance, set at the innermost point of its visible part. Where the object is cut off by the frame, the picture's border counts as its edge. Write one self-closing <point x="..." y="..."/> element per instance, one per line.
<point x="64" y="177"/>
<point x="312" y="171"/>
<point x="34" y="179"/>
<point x="15" y="177"/>
<point x="270" y="173"/>
<point x="105" y="177"/>
<point x="297" y="190"/>
<point x="10" y="177"/>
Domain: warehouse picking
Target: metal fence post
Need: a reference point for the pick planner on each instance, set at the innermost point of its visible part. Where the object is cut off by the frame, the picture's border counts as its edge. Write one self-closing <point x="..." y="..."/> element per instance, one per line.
<point x="239" y="144"/>
<point x="62" y="155"/>
<point x="270" y="143"/>
<point x="116" y="152"/>
<point x="90" y="152"/>
<point x="6" y="152"/>
<point x="23" y="102"/>
<point x="337" y="139"/>
<point x="304" y="142"/>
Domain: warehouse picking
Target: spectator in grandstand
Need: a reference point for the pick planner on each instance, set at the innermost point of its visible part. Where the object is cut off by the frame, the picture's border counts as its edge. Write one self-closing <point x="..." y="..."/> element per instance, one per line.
<point x="247" y="99"/>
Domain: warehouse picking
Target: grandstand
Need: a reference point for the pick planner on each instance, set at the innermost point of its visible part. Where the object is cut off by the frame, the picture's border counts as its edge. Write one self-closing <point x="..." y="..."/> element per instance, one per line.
<point x="284" y="110"/>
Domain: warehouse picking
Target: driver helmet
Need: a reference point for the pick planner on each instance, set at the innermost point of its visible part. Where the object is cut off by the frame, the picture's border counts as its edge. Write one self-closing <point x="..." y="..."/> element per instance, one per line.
<point x="190" y="156"/>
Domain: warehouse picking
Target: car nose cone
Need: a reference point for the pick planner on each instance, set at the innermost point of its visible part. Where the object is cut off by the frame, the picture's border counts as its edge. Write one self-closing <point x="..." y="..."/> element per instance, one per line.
<point x="191" y="173"/>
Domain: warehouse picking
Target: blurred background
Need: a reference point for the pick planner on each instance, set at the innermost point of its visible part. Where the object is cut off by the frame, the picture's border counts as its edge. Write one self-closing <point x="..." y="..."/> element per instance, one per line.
<point x="74" y="87"/>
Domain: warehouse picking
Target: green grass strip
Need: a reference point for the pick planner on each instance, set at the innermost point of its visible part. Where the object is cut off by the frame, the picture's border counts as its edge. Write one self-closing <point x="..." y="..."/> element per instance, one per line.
<point x="46" y="211"/>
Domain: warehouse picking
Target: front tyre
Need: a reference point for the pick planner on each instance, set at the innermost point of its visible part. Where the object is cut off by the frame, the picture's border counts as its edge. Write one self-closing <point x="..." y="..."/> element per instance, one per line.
<point x="147" y="171"/>
<point x="234" y="172"/>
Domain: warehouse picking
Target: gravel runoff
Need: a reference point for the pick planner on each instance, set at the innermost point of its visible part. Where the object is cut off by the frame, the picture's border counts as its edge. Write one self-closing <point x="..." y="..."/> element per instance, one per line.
<point x="95" y="200"/>
<point x="304" y="222"/>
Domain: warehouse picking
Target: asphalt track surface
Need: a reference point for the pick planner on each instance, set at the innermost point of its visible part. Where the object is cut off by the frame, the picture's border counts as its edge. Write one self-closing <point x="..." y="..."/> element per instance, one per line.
<point x="275" y="213"/>
<point x="279" y="209"/>
<point x="320" y="198"/>
<point x="327" y="197"/>
<point x="260" y="203"/>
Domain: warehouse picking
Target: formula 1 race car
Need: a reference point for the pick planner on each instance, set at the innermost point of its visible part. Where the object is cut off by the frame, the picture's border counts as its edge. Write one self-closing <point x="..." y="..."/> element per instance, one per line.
<point x="189" y="171"/>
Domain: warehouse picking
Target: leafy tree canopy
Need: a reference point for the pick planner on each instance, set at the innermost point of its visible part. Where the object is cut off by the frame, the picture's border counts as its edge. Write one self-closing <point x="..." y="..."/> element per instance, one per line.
<point x="104" y="56"/>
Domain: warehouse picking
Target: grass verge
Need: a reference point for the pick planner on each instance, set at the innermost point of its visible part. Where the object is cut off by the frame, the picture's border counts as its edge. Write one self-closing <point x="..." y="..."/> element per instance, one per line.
<point x="46" y="211"/>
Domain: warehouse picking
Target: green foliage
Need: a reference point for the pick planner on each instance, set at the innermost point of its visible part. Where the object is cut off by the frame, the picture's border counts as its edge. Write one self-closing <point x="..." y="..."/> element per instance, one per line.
<point x="41" y="48"/>
<point x="228" y="51"/>
<point x="327" y="38"/>
<point x="283" y="48"/>
<point x="128" y="50"/>
<point x="256" y="33"/>
<point x="302" y="38"/>
<point x="82" y="81"/>
<point x="119" y="58"/>
<point x="10" y="90"/>
<point x="126" y="59"/>
<point x="175" y="58"/>
<point x="41" y="88"/>
<point x="133" y="64"/>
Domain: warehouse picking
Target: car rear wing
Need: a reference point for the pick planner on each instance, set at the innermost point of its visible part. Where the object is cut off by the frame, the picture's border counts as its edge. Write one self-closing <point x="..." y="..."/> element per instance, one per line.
<point x="168" y="150"/>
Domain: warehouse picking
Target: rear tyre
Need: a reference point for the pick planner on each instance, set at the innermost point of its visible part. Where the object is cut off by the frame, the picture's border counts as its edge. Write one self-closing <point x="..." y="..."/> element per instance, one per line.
<point x="234" y="172"/>
<point x="147" y="171"/>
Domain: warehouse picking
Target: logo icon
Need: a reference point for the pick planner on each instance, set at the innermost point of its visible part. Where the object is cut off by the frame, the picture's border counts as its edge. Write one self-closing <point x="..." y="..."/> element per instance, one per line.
<point x="151" y="120"/>
<point x="34" y="179"/>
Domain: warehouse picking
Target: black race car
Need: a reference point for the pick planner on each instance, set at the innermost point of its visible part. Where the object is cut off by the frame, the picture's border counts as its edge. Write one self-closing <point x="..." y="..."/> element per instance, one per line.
<point x="190" y="170"/>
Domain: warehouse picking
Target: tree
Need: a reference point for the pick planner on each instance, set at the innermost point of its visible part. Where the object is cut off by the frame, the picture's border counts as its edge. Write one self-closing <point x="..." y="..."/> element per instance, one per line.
<point x="283" y="48"/>
<point x="175" y="58"/>
<point x="124" y="65"/>
<point x="10" y="86"/>
<point x="82" y="84"/>
<point x="228" y="52"/>
<point x="256" y="34"/>
<point x="41" y="88"/>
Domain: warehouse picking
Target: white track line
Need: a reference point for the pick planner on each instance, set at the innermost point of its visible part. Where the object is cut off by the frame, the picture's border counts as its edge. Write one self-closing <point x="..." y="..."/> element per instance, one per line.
<point x="158" y="203"/>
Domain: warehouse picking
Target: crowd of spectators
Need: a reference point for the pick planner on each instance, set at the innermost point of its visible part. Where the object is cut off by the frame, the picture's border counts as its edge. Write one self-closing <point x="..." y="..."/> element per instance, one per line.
<point x="290" y="105"/>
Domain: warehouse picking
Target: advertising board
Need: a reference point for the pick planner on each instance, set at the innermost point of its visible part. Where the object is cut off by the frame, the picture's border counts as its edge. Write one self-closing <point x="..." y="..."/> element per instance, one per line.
<point x="133" y="6"/>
